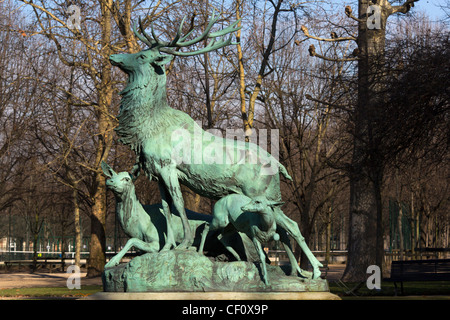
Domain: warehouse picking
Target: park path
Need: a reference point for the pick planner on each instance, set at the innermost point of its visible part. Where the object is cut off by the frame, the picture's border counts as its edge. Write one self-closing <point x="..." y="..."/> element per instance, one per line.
<point x="335" y="272"/>
<point x="42" y="279"/>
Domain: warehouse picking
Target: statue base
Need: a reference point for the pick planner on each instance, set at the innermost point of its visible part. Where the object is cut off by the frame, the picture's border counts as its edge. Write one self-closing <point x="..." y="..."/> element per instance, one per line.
<point x="188" y="271"/>
<point x="209" y="296"/>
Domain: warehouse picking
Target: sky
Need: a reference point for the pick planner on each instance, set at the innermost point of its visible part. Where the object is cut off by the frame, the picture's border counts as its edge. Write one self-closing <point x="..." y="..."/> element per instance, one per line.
<point x="431" y="7"/>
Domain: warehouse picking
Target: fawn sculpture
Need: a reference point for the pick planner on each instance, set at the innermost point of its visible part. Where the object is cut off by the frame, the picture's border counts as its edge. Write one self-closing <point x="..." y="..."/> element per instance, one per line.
<point x="252" y="217"/>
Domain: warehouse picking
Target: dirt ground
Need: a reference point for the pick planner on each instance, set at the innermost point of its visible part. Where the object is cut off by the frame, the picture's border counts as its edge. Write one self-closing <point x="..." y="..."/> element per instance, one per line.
<point x="335" y="272"/>
<point x="41" y="279"/>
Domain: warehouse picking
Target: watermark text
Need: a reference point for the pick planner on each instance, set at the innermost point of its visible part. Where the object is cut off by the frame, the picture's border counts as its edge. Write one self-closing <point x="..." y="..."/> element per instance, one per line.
<point x="374" y="280"/>
<point x="74" y="280"/>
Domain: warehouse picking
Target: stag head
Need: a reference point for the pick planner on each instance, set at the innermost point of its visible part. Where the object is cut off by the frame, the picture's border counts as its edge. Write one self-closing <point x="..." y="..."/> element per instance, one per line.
<point x="153" y="55"/>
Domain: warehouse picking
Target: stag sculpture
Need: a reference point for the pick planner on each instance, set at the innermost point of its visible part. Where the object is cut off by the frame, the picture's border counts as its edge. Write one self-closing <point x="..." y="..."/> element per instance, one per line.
<point x="157" y="132"/>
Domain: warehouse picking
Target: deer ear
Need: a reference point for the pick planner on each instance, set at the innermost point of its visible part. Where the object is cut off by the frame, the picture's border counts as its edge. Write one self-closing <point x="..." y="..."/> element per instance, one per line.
<point x="132" y="177"/>
<point x="135" y="172"/>
<point x="107" y="170"/>
<point x="162" y="60"/>
<point x="276" y="203"/>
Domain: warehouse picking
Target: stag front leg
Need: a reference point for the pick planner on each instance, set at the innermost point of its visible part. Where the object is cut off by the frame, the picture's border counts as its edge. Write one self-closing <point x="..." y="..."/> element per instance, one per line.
<point x="165" y="200"/>
<point x="172" y="186"/>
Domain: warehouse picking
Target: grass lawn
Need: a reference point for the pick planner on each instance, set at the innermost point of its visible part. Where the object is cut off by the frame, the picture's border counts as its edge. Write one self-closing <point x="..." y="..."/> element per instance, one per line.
<point x="412" y="290"/>
<point x="60" y="292"/>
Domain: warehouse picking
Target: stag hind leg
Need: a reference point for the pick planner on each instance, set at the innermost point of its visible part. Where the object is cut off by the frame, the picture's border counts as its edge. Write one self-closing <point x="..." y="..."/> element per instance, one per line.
<point x="292" y="228"/>
<point x="284" y="239"/>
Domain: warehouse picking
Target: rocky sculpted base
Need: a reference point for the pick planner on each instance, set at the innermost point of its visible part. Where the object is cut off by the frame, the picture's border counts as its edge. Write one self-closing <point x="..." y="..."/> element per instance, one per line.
<point x="189" y="271"/>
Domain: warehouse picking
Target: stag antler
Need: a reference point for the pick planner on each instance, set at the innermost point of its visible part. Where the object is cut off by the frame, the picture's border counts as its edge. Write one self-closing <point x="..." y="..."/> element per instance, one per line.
<point x="179" y="41"/>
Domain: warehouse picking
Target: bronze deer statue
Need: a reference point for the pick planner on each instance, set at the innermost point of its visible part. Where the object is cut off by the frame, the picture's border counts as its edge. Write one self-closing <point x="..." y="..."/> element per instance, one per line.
<point x="157" y="133"/>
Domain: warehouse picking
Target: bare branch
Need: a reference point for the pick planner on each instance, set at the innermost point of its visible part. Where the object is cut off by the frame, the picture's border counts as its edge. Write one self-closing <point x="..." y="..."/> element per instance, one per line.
<point x="404" y="8"/>
<point x="349" y="13"/>
<point x="313" y="53"/>
<point x="334" y="37"/>
<point x="327" y="103"/>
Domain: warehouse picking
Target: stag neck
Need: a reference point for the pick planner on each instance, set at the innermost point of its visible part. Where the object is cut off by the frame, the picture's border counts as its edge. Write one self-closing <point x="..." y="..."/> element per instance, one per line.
<point x="147" y="88"/>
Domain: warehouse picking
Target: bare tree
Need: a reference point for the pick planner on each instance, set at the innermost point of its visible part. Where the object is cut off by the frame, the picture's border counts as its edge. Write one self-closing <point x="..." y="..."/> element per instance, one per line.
<point x="266" y="30"/>
<point x="309" y="139"/>
<point x="17" y="105"/>
<point x="367" y="164"/>
<point x="101" y="29"/>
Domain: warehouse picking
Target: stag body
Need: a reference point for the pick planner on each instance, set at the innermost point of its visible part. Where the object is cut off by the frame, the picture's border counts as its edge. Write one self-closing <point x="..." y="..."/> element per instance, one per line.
<point x="152" y="130"/>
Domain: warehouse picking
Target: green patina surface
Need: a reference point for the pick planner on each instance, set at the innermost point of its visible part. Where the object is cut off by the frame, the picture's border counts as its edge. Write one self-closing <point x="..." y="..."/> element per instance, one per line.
<point x="187" y="270"/>
<point x="171" y="148"/>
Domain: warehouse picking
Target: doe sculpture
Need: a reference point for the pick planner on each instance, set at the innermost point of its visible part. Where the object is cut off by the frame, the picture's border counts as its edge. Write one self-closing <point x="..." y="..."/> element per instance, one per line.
<point x="146" y="225"/>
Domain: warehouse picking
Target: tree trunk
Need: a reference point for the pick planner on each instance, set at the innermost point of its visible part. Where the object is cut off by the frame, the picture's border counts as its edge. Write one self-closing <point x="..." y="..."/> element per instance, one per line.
<point x="245" y="122"/>
<point x="97" y="257"/>
<point x="362" y="241"/>
<point x="63" y="247"/>
<point x="400" y="230"/>
<point x="77" y="221"/>
<point x="35" y="229"/>
<point x="365" y="237"/>
<point x="328" y="238"/>
<point x="97" y="246"/>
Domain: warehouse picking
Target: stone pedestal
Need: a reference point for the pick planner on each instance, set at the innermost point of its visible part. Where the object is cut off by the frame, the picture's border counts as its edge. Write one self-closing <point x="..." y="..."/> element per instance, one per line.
<point x="190" y="272"/>
<point x="210" y="296"/>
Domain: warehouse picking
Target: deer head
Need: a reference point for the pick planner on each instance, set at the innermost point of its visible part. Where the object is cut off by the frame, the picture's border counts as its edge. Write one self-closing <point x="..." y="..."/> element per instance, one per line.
<point x="260" y="205"/>
<point x="119" y="183"/>
<point x="154" y="57"/>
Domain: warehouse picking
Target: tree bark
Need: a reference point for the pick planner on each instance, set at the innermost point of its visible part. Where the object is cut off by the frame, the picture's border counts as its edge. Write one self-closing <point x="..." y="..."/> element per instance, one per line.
<point x="97" y="257"/>
<point x="77" y="222"/>
<point x="97" y="246"/>
<point x="328" y="237"/>
<point x="365" y="236"/>
<point x="365" y="246"/>
<point x="241" y="71"/>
